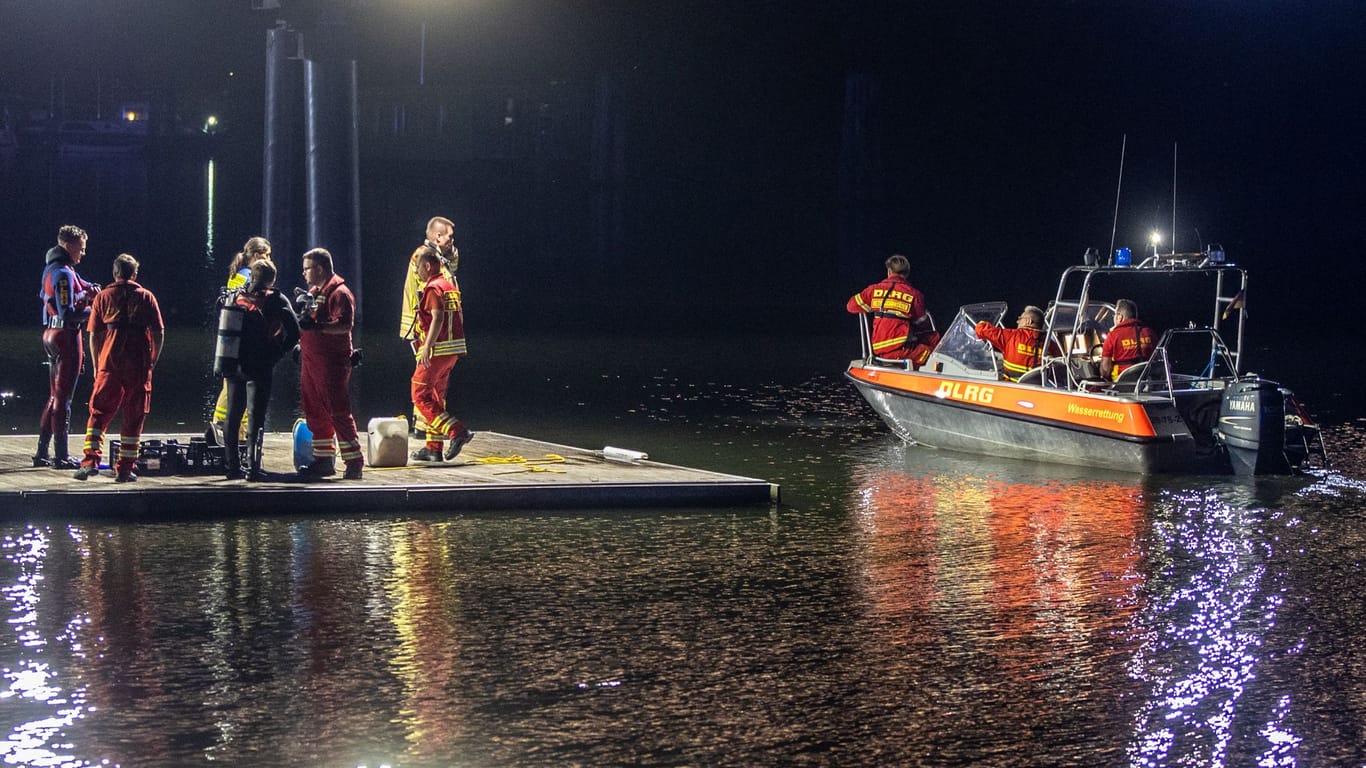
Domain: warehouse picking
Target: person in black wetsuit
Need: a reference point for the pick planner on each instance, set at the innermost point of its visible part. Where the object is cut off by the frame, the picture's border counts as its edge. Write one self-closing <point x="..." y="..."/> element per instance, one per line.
<point x="269" y="330"/>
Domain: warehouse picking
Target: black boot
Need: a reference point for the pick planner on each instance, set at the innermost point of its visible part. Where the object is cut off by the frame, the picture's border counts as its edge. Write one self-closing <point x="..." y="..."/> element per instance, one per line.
<point x="320" y="468"/>
<point x="61" y="459"/>
<point x="255" y="473"/>
<point x="40" y="459"/>
<point x="232" y="461"/>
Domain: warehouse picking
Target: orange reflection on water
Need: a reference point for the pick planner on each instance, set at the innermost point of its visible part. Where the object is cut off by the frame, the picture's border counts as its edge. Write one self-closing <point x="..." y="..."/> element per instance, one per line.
<point x="1021" y="577"/>
<point x="896" y="511"/>
<point x="1064" y="556"/>
<point x="425" y="660"/>
<point x="119" y="663"/>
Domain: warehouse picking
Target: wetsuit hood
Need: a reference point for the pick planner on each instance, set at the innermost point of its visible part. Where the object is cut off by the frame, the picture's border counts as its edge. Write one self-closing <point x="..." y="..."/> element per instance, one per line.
<point x="58" y="253"/>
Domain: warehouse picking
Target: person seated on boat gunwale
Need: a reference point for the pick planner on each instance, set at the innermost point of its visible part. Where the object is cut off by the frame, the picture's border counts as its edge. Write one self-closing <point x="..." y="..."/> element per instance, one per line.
<point x="1129" y="342"/>
<point x="902" y="329"/>
<point x="1020" y="347"/>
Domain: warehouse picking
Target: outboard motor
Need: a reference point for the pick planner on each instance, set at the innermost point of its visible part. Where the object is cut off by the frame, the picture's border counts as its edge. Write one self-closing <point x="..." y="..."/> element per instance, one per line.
<point x="1252" y="427"/>
<point x="229" y="348"/>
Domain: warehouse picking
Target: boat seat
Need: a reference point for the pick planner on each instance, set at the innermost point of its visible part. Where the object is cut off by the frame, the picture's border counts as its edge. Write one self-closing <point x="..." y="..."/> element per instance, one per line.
<point x="1057" y="375"/>
<point x="1129" y="378"/>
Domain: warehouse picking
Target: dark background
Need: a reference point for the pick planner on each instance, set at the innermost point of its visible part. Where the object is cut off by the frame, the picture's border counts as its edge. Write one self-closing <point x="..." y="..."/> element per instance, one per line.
<point x="990" y="155"/>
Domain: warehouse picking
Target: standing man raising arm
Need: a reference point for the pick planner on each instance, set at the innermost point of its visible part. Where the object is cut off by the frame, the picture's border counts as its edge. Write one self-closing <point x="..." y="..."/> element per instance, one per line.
<point x="439" y="242"/>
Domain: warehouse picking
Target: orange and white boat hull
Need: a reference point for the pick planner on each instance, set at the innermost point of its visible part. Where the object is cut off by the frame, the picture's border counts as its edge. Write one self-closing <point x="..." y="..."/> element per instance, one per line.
<point x="1142" y="434"/>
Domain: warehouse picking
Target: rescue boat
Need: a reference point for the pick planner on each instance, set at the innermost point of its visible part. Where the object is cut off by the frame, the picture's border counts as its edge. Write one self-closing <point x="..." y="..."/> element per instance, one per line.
<point x="1189" y="408"/>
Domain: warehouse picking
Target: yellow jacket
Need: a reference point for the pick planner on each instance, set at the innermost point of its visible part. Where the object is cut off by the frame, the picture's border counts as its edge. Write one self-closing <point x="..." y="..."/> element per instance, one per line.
<point x="412" y="286"/>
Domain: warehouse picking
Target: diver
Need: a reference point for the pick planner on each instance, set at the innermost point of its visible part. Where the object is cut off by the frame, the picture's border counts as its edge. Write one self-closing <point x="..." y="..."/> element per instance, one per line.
<point x="269" y="330"/>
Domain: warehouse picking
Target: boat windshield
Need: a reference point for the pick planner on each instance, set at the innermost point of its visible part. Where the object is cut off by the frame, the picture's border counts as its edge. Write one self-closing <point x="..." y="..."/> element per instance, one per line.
<point x="960" y="340"/>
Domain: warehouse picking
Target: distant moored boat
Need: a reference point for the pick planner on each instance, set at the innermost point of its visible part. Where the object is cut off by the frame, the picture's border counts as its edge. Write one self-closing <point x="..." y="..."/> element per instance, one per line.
<point x="98" y="137"/>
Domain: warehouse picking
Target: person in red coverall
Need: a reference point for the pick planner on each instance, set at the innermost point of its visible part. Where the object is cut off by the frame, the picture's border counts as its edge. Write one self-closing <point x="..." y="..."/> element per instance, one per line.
<point x="325" y="368"/>
<point x="1021" y="346"/>
<point x="1130" y="342"/>
<point x="126" y="334"/>
<point x="440" y="341"/>
<point x="902" y="329"/>
<point x="66" y="305"/>
<point x="440" y="233"/>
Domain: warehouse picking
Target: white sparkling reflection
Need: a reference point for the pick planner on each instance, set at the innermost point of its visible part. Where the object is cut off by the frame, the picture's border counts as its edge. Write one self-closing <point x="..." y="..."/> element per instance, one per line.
<point x="1210" y="611"/>
<point x="32" y="686"/>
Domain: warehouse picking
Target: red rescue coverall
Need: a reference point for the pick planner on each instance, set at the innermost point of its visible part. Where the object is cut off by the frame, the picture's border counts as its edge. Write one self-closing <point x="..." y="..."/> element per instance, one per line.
<point x="124" y="316"/>
<point x="448" y="345"/>
<point x="325" y="375"/>
<point x="1127" y="344"/>
<point x="1019" y="347"/>
<point x="896" y="307"/>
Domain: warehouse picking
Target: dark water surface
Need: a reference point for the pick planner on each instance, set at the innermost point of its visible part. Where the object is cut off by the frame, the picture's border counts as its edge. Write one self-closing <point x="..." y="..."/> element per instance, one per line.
<point x="903" y="606"/>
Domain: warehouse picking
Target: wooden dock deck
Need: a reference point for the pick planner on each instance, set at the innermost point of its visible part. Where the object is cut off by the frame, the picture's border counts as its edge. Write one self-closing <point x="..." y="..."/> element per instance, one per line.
<point x="493" y="472"/>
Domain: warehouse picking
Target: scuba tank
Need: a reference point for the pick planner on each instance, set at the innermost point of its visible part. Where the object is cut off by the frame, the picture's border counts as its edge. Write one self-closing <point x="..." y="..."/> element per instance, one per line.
<point x="228" y="351"/>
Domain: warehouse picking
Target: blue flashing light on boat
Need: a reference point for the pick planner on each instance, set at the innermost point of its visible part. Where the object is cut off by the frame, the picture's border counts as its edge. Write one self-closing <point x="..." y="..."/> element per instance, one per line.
<point x="1123" y="257"/>
<point x="1214" y="254"/>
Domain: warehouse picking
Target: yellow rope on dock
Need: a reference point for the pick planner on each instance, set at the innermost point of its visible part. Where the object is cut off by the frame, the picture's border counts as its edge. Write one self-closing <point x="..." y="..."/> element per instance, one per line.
<point x="550" y="458"/>
<point x="529" y="465"/>
<point x="531" y="468"/>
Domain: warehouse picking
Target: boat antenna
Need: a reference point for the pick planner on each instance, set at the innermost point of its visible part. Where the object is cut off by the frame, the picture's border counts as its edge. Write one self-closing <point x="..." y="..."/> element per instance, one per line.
<point x="1124" y="141"/>
<point x="1173" y="198"/>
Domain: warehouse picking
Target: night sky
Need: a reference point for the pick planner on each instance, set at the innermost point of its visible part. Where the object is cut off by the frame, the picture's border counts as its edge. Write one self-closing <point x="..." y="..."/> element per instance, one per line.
<point x="996" y="146"/>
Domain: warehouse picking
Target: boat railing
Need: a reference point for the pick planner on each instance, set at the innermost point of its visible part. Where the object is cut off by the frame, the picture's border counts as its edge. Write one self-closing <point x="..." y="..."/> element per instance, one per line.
<point x="865" y="326"/>
<point x="1076" y="302"/>
<point x="1185" y="361"/>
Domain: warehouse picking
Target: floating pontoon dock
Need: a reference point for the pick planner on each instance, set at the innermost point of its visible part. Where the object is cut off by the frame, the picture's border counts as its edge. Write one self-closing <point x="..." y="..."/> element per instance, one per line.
<point x="493" y="472"/>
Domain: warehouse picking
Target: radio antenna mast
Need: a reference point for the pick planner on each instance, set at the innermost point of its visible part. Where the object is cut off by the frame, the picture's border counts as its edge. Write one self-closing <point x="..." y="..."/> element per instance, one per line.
<point x="1124" y="142"/>
<point x="1173" y="198"/>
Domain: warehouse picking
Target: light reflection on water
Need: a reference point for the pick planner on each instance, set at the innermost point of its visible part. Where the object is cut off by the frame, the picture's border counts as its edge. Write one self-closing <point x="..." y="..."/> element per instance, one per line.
<point x="906" y="607"/>
<point x="1009" y="595"/>
<point x="951" y="617"/>
<point x="1206" y="628"/>
<point x="34" y="685"/>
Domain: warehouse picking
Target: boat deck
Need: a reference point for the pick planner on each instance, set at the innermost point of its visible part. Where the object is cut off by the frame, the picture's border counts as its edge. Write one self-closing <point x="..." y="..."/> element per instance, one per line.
<point x="493" y="472"/>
